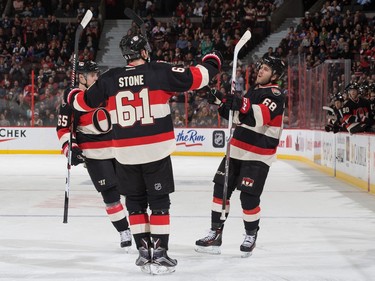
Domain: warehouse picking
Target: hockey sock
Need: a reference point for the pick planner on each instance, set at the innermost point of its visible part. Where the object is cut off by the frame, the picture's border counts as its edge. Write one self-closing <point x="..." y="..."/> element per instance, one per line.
<point x="159" y="227"/>
<point x="216" y="222"/>
<point x="116" y="214"/>
<point x="140" y="227"/>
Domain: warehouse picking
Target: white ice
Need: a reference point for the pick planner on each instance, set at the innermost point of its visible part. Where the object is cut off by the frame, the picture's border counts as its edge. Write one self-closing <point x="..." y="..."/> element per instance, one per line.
<point x="313" y="227"/>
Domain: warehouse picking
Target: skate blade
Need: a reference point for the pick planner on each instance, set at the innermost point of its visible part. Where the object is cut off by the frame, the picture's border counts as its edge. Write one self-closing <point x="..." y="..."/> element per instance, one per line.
<point x="246" y="254"/>
<point x="146" y="268"/>
<point x="212" y="250"/>
<point x="156" y="269"/>
<point x="126" y="249"/>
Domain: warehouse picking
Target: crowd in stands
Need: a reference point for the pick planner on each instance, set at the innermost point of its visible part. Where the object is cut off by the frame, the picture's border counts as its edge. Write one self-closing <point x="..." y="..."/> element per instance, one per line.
<point x="36" y="37"/>
<point x="34" y="40"/>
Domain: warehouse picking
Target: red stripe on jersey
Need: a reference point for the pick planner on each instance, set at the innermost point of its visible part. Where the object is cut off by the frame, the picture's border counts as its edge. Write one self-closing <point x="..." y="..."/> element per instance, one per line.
<point x="114" y="209"/>
<point x="96" y="144"/>
<point x="252" y="211"/>
<point x="81" y="101"/>
<point x="86" y="119"/>
<point x="62" y="132"/>
<point x="160" y="96"/>
<point x="138" y="219"/>
<point x="159" y="220"/>
<point x="219" y="201"/>
<point x="197" y="77"/>
<point x="111" y="104"/>
<point x="277" y="121"/>
<point x="144" y="140"/>
<point x="265" y="113"/>
<point x="252" y="148"/>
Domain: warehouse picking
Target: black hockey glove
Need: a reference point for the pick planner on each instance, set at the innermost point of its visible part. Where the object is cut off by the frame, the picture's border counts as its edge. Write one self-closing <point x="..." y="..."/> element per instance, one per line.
<point x="77" y="154"/>
<point x="235" y="103"/>
<point x="215" y="58"/>
<point x="215" y="97"/>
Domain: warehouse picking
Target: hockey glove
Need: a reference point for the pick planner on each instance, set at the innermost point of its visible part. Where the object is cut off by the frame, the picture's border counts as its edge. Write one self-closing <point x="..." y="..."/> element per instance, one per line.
<point x="215" y="97"/>
<point x="352" y="119"/>
<point x="236" y="103"/>
<point x="366" y="120"/>
<point x="69" y="95"/>
<point x="215" y="58"/>
<point x="77" y="154"/>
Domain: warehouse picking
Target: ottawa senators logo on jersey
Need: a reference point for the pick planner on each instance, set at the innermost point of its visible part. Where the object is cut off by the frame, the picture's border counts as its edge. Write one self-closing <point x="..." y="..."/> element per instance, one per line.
<point x="248" y="182"/>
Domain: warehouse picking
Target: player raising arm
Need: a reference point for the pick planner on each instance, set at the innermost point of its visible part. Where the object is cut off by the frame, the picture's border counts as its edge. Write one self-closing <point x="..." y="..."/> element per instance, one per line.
<point x="259" y="116"/>
<point x="138" y="99"/>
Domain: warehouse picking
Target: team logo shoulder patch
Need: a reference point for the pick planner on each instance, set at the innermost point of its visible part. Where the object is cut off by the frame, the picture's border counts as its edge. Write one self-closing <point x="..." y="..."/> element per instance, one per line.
<point x="276" y="91"/>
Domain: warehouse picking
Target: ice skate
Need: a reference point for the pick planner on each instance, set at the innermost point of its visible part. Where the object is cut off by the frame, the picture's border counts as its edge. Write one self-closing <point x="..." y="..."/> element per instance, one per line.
<point x="248" y="244"/>
<point x="211" y="243"/>
<point x="125" y="239"/>
<point x="162" y="263"/>
<point x="144" y="258"/>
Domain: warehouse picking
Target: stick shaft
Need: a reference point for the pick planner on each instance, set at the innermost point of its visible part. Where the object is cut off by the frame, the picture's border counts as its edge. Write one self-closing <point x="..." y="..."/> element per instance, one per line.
<point x="86" y="19"/>
<point x="245" y="37"/>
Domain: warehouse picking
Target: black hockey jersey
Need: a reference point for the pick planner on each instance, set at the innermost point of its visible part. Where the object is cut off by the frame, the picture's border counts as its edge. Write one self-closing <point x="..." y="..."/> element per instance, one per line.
<point x="138" y="102"/>
<point x="258" y="131"/>
<point x="355" y="112"/>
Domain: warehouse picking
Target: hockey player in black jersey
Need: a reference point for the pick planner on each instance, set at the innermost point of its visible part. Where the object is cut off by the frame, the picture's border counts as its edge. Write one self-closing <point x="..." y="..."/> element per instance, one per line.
<point x="138" y="98"/>
<point x="92" y="145"/>
<point x="372" y="105"/>
<point x="259" y="118"/>
<point x="335" y="119"/>
<point x="356" y="111"/>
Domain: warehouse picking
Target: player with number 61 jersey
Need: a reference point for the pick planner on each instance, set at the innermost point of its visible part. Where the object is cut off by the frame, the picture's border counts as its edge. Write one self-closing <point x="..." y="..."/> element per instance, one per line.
<point x="138" y="98"/>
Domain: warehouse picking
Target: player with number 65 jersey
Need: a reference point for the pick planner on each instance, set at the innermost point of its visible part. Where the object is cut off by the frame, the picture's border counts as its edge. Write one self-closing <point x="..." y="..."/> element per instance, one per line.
<point x="92" y="145"/>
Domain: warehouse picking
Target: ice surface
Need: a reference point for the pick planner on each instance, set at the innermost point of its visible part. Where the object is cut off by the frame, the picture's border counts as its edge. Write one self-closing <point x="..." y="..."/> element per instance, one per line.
<point x="313" y="226"/>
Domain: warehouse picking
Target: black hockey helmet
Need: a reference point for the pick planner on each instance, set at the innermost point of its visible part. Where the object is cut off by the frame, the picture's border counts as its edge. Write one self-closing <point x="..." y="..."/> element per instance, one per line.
<point x="132" y="45"/>
<point x="277" y="65"/>
<point x="338" y="97"/>
<point x="352" y="86"/>
<point x="87" y="66"/>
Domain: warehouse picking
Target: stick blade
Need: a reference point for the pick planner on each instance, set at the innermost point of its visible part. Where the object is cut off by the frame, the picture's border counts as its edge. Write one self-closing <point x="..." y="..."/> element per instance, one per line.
<point x="328" y="108"/>
<point x="86" y="19"/>
<point x="245" y="37"/>
<point x="133" y="16"/>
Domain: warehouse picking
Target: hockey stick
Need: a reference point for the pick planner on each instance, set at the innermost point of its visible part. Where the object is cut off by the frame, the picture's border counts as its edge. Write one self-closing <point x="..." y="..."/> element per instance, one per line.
<point x="330" y="109"/>
<point x="137" y="19"/>
<point x="139" y="22"/>
<point x="86" y="19"/>
<point x="245" y="37"/>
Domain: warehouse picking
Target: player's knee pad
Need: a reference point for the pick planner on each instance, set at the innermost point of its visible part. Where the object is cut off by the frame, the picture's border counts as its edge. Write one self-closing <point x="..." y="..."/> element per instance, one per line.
<point x="136" y="204"/>
<point x="160" y="212"/>
<point x="110" y="195"/>
<point x="219" y="189"/>
<point x="159" y="202"/>
<point x="249" y="201"/>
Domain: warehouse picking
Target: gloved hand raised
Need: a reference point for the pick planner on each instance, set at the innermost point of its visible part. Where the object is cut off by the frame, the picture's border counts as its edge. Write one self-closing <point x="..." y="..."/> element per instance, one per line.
<point x="236" y="103"/>
<point x="77" y="154"/>
<point x="215" y="97"/>
<point x="215" y="58"/>
<point x="70" y="93"/>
